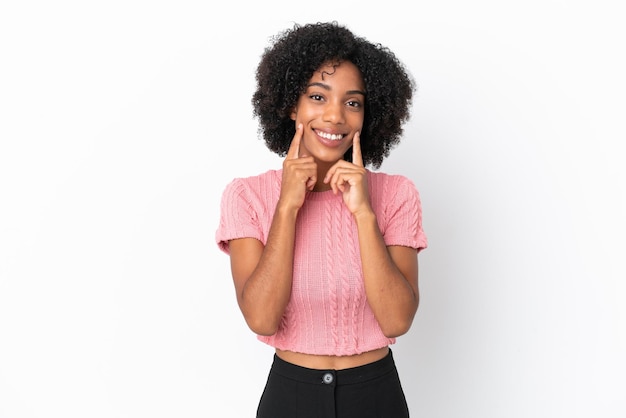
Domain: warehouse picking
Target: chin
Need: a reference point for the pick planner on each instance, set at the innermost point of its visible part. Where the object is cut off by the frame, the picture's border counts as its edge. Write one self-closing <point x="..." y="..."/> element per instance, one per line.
<point x="330" y="157"/>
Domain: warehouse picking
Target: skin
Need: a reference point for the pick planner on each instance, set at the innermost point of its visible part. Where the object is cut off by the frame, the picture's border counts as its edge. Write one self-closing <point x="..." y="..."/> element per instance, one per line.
<point x="333" y="104"/>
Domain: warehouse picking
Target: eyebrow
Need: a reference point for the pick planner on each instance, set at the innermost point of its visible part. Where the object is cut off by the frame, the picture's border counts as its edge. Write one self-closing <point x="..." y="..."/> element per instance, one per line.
<point x="327" y="87"/>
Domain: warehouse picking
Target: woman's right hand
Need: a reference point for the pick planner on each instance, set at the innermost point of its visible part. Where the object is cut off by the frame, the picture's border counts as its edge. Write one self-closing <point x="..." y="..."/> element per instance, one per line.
<point x="299" y="174"/>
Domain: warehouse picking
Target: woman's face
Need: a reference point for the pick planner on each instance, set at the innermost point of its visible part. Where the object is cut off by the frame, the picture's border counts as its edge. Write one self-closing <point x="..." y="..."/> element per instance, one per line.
<point x="331" y="110"/>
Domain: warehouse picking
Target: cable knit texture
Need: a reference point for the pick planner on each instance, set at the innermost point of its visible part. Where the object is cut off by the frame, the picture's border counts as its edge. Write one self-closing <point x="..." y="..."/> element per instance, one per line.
<point x="328" y="313"/>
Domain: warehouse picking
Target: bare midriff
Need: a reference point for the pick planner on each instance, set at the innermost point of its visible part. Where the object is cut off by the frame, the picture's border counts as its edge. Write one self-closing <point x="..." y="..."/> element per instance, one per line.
<point x="313" y="361"/>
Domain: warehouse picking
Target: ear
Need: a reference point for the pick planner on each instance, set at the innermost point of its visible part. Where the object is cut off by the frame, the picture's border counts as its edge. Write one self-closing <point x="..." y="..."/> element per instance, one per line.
<point x="293" y="114"/>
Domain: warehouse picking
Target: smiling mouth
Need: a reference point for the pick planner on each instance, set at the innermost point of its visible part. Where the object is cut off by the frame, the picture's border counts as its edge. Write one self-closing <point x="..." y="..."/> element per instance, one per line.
<point x="330" y="137"/>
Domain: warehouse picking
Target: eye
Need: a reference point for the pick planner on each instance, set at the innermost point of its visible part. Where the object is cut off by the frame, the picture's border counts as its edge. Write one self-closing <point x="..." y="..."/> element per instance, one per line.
<point x="316" y="97"/>
<point x="354" y="103"/>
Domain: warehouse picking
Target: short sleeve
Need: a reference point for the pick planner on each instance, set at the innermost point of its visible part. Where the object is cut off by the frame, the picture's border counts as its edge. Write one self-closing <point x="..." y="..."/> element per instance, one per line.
<point x="238" y="217"/>
<point x="403" y="224"/>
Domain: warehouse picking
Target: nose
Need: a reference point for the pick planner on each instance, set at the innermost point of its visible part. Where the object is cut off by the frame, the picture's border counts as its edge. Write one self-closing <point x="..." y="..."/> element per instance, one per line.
<point x="333" y="112"/>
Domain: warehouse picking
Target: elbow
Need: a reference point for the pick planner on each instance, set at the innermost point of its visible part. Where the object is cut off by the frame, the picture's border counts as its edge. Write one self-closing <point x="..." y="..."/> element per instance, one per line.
<point x="400" y="325"/>
<point x="262" y="326"/>
<point x="397" y="328"/>
<point x="262" y="320"/>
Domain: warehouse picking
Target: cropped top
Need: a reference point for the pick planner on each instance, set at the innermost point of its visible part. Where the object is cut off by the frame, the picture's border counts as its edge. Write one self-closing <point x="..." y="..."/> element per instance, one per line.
<point x="328" y="312"/>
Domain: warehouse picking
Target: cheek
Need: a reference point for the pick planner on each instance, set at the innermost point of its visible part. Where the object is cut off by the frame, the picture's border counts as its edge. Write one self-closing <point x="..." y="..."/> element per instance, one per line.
<point x="358" y="118"/>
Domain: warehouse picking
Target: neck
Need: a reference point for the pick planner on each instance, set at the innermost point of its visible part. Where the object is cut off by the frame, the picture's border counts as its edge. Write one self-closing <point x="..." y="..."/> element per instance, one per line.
<point x="322" y="169"/>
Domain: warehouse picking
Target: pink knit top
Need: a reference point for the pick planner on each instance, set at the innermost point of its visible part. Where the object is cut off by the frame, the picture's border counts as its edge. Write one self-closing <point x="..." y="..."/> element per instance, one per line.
<point x="328" y="313"/>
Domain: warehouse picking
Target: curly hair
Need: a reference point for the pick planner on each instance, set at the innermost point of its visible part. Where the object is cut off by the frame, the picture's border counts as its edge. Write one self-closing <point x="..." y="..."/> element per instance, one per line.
<point x="290" y="61"/>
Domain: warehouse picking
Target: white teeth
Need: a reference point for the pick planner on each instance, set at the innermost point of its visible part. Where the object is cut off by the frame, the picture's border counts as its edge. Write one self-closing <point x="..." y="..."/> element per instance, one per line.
<point x="332" y="137"/>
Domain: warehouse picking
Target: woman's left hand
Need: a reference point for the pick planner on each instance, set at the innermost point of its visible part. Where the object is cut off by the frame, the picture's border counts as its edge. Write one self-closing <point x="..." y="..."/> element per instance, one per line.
<point x="350" y="179"/>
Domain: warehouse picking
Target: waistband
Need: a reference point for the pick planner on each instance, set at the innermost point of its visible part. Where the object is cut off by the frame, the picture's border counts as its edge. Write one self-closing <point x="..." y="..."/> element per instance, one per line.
<point x="338" y="377"/>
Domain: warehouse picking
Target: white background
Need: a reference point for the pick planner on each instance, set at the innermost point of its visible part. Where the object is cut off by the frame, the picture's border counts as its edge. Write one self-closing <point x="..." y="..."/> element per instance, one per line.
<point x="122" y="121"/>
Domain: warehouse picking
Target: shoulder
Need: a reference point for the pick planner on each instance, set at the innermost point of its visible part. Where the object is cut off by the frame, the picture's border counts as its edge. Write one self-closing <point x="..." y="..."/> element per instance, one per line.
<point x="263" y="181"/>
<point x="269" y="175"/>
<point x="379" y="181"/>
<point x="391" y="192"/>
<point x="258" y="191"/>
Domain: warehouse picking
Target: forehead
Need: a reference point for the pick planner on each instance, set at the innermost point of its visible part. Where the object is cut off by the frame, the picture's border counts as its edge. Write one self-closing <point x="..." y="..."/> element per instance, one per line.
<point x="344" y="73"/>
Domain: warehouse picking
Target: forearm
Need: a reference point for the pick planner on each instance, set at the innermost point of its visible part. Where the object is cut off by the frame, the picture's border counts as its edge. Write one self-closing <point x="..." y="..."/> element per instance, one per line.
<point x="266" y="292"/>
<point x="392" y="297"/>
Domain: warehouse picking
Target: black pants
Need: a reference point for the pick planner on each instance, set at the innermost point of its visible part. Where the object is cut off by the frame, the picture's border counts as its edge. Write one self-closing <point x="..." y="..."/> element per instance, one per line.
<point x="369" y="391"/>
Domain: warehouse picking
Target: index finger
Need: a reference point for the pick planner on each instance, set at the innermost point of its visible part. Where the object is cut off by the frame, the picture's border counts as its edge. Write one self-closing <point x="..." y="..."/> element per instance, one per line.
<point x="294" y="148"/>
<point x="357" y="157"/>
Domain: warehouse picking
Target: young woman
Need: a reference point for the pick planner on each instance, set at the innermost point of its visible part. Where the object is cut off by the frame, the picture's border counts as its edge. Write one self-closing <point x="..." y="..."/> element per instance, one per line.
<point x="324" y="252"/>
